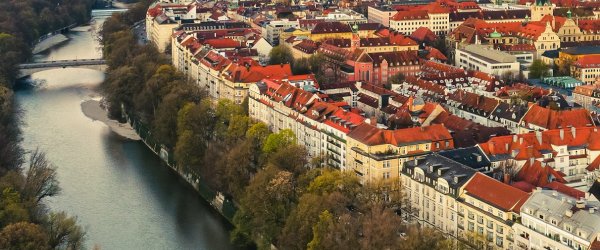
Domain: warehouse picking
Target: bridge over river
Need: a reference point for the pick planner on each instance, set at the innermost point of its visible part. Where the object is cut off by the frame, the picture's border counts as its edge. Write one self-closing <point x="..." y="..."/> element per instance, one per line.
<point x="30" y="68"/>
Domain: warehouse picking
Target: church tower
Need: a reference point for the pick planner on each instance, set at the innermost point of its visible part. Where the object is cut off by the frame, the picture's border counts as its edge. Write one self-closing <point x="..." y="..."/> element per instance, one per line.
<point x="541" y="8"/>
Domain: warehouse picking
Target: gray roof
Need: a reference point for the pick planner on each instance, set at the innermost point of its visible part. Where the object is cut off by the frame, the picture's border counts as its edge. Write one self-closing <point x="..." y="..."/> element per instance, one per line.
<point x="436" y="166"/>
<point x="582" y="50"/>
<point x="562" y="209"/>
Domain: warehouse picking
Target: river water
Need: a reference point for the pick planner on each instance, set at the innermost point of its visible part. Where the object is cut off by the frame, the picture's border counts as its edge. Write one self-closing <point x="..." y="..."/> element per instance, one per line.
<point x="117" y="188"/>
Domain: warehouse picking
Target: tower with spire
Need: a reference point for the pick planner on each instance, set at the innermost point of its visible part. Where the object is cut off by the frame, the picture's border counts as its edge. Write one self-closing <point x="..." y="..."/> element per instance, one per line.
<point x="540" y="9"/>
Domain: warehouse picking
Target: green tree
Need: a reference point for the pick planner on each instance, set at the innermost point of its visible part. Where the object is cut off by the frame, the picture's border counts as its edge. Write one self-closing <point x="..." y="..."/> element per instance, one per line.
<point x="280" y="55"/>
<point x="23" y="236"/>
<point x="278" y="140"/>
<point x="538" y="69"/>
<point x="11" y="208"/>
<point x="301" y="66"/>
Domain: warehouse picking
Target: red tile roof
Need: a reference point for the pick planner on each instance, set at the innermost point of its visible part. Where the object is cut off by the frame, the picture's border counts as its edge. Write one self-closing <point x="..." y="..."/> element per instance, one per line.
<point x="331" y="27"/>
<point x="553" y="119"/>
<point x="535" y="174"/>
<point x="496" y="193"/>
<point x="410" y="15"/>
<point x="248" y="74"/>
<point x="588" y="61"/>
<point x="371" y="135"/>
<point x="562" y="188"/>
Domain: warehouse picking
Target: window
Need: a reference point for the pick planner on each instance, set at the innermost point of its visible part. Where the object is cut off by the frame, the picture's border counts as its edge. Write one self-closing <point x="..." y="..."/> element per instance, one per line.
<point x="499" y="241"/>
<point x="480" y="219"/>
<point x="386" y="175"/>
<point x="471" y="226"/>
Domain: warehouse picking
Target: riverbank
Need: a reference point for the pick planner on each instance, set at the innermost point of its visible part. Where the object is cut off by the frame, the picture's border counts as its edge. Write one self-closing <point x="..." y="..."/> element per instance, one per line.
<point x="93" y="110"/>
<point x="49" y="43"/>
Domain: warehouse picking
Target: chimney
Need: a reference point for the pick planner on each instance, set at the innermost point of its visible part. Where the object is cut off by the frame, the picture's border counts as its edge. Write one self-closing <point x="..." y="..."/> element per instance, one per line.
<point x="520" y="140"/>
<point x="569" y="213"/>
<point x="538" y="135"/>
<point x="562" y="134"/>
<point x="573" y="132"/>
<point x="515" y="138"/>
<point x="580" y="204"/>
<point x="592" y="210"/>
<point x="507" y="178"/>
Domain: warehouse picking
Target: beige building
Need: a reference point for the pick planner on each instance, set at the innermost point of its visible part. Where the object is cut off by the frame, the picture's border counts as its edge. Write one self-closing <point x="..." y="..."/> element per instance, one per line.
<point x="489" y="209"/>
<point x="377" y="154"/>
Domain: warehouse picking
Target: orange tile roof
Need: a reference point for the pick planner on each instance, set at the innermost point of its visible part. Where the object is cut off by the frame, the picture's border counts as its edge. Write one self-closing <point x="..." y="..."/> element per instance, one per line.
<point x="553" y="119"/>
<point x="588" y="61"/>
<point x="496" y="193"/>
<point x="410" y="15"/>
<point x="255" y="73"/>
<point x="371" y="135"/>
<point x="535" y="174"/>
<point x="562" y="188"/>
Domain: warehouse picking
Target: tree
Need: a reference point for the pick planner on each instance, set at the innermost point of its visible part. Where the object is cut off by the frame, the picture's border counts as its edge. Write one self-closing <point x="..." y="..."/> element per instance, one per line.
<point x="23" y="236"/>
<point x="268" y="200"/>
<point x="278" y="140"/>
<point x="396" y="79"/>
<point x="564" y="67"/>
<point x="11" y="208"/>
<point x="538" y="69"/>
<point x="301" y="66"/>
<point x="63" y="232"/>
<point x="440" y="44"/>
<point x="280" y="55"/>
<point x="40" y="179"/>
<point x="290" y="157"/>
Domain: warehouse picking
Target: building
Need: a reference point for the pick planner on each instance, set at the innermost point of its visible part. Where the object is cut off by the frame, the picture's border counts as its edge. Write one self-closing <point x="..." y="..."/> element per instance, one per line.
<point x="488" y="211"/>
<point x="586" y="69"/>
<point x="488" y="60"/>
<point x="319" y="126"/>
<point x="377" y="154"/>
<point x="433" y="185"/>
<point x="435" y="19"/>
<point x="554" y="220"/>
<point x="271" y="30"/>
<point x="588" y="96"/>
<point x="238" y="77"/>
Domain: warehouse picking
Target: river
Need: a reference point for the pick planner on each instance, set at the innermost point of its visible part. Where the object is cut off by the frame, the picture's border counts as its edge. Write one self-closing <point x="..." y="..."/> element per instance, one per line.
<point x="117" y="188"/>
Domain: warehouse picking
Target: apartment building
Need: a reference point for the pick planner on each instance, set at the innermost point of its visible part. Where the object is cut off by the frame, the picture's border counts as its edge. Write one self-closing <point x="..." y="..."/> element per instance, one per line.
<point x="320" y="126"/>
<point x="377" y="154"/>
<point x="586" y="69"/>
<point x="554" y="220"/>
<point x="588" y="96"/>
<point x="536" y="159"/>
<point x="488" y="211"/>
<point x="433" y="185"/>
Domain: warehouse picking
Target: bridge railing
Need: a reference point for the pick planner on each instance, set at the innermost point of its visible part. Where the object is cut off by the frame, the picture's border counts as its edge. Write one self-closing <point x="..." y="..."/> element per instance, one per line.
<point x="59" y="63"/>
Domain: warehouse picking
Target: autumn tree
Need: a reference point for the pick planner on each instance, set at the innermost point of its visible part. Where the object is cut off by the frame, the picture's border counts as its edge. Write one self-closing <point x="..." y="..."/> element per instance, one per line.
<point x="268" y="200"/>
<point x="23" y="236"/>
<point x="63" y="232"/>
<point x="40" y="179"/>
